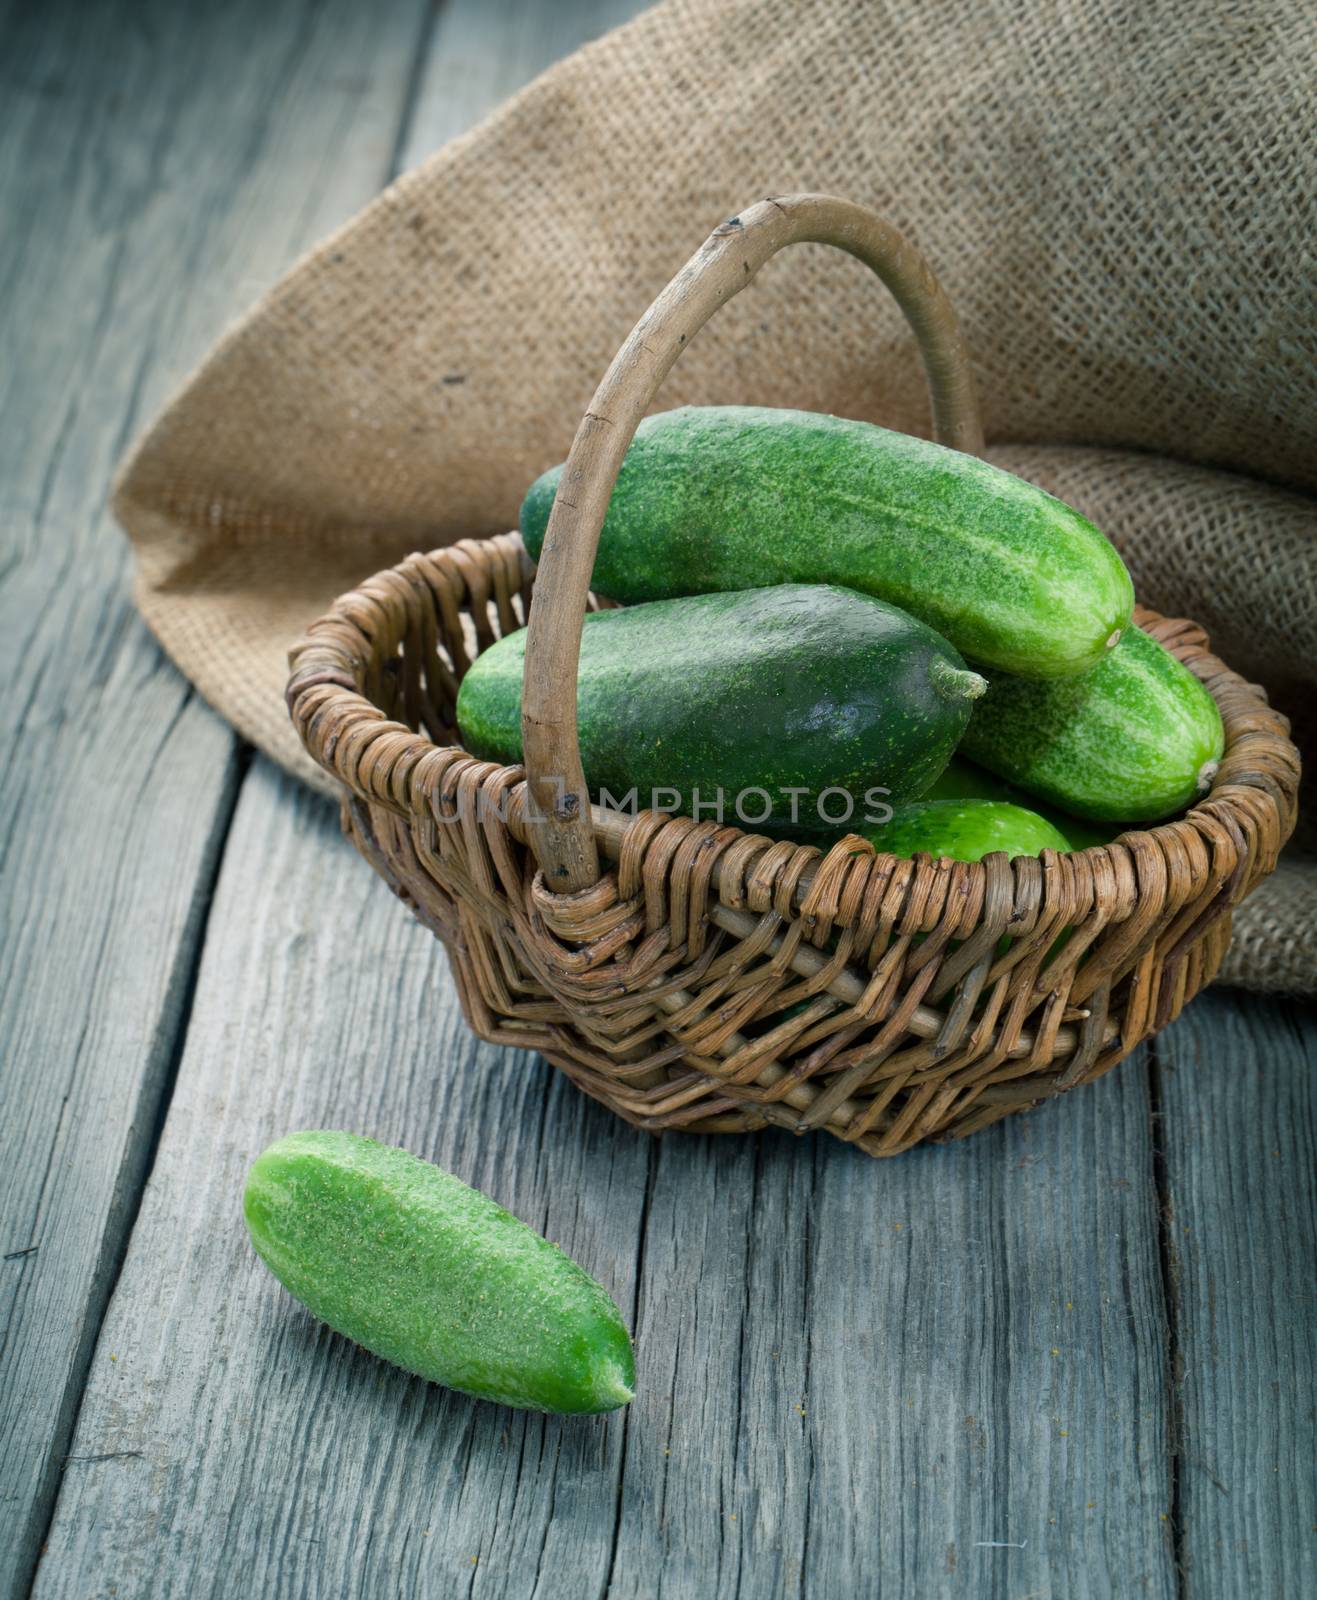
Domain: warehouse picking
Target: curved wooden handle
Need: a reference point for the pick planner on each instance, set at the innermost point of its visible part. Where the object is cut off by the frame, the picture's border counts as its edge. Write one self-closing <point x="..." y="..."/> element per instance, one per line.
<point x="562" y="833"/>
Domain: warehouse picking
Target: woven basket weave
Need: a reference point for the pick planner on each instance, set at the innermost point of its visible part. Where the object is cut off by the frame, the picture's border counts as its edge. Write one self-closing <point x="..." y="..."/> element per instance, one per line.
<point x="662" y="971"/>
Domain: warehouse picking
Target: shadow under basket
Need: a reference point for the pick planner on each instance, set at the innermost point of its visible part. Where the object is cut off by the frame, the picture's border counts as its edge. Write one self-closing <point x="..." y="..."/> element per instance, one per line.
<point x="713" y="980"/>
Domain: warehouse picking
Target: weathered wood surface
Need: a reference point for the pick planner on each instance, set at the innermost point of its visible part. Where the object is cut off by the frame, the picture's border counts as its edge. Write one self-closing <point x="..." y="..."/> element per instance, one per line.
<point x="947" y="1375"/>
<point x="159" y="164"/>
<point x="852" y="1376"/>
<point x="481" y="51"/>
<point x="1237" y="1085"/>
<point x="274" y="1458"/>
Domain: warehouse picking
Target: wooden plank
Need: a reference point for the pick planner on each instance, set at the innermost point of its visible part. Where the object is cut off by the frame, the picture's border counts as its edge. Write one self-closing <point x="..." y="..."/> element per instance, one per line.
<point x="158" y="166"/>
<point x="265" y="1456"/>
<point x="482" y="50"/>
<point x="858" y="1376"/>
<point x="1238" y="1132"/>
<point x="851" y="1373"/>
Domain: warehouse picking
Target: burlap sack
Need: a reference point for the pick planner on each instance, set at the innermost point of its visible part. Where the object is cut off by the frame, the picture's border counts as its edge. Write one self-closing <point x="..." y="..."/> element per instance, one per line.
<point x="1117" y="194"/>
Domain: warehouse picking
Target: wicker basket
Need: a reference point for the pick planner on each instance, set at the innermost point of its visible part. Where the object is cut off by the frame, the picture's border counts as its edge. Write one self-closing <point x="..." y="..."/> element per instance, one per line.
<point x="658" y="961"/>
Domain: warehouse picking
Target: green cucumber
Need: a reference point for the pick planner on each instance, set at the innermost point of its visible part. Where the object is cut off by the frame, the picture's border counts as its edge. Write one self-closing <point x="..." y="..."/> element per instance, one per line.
<point x="765" y="707"/>
<point x="433" y="1276"/>
<point x="1134" y="740"/>
<point x="966" y="830"/>
<point x="732" y="497"/>
<point x="962" y="780"/>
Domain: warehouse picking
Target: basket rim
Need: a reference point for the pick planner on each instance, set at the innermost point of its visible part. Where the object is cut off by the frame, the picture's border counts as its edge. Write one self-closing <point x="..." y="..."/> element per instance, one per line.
<point x="1250" y="803"/>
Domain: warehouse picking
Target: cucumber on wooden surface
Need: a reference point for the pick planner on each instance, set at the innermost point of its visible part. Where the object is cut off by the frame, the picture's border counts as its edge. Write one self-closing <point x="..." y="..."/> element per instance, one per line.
<point x="733" y="497"/>
<point x="965" y="830"/>
<point x="777" y="705"/>
<point x="408" y="1261"/>
<point x="1135" y="740"/>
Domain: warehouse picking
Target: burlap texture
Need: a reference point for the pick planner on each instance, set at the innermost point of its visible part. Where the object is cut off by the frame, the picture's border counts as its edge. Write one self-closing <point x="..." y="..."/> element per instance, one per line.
<point x="1117" y="194"/>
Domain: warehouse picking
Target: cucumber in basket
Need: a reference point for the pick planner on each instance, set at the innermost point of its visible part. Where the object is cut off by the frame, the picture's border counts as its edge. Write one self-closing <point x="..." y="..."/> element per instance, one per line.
<point x="732" y="497"/>
<point x="764" y="707"/>
<point x="408" y="1261"/>
<point x="1135" y="740"/>
<point x="962" y="780"/>
<point x="965" y="830"/>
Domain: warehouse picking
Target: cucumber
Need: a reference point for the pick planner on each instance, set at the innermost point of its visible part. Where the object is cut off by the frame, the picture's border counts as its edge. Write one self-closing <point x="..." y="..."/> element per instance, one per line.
<point x="733" y="497"/>
<point x="433" y="1276"/>
<point x="766" y="707"/>
<point x="966" y="830"/>
<point x="1135" y="740"/>
<point x="962" y="780"/>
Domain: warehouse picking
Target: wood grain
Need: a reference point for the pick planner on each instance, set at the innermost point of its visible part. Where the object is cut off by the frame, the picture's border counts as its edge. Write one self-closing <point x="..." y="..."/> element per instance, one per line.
<point x="157" y="168"/>
<point x="321" y="1003"/>
<point x="864" y="1372"/>
<point x="481" y="51"/>
<point x="1238" y="1132"/>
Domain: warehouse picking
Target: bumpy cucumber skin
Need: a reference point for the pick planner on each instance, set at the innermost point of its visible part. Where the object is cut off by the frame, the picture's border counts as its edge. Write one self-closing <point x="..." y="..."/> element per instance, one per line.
<point x="962" y="780"/>
<point x="966" y="830"/>
<point x="435" y="1277"/>
<point x="729" y="497"/>
<point x="1135" y="740"/>
<point x="801" y="685"/>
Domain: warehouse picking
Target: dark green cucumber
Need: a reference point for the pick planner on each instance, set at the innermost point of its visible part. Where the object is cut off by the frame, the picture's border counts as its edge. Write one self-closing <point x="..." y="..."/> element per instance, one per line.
<point x="732" y="497"/>
<point x="721" y="705"/>
<point x="432" y="1275"/>
<point x="962" y="780"/>
<point x="1134" y="740"/>
<point x="965" y="830"/>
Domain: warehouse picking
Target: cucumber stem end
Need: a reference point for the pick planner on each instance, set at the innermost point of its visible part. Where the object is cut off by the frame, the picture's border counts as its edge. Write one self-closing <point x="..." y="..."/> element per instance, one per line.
<point x="611" y="1388"/>
<point x="956" y="683"/>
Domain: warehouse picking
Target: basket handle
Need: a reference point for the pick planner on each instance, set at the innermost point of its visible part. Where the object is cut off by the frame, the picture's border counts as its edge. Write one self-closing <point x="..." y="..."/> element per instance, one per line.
<point x="562" y="831"/>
